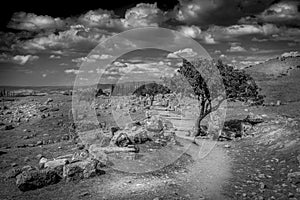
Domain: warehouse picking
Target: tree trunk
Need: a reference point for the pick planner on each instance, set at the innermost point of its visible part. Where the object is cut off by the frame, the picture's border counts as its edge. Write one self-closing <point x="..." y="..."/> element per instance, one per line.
<point x="198" y="125"/>
<point x="203" y="113"/>
<point x="151" y="100"/>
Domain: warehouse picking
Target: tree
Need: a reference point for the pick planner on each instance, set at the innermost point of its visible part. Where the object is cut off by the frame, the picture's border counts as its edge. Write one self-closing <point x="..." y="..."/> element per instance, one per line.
<point x="151" y="89"/>
<point x="209" y="85"/>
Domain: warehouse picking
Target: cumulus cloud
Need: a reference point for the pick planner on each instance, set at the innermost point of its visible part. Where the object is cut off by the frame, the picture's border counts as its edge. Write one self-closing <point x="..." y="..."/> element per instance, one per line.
<point x="77" y="37"/>
<point x="23" y="59"/>
<point x="54" y="57"/>
<point x="73" y="71"/>
<point x="4" y="57"/>
<point x="91" y="58"/>
<point x="236" y="48"/>
<point x="204" y="12"/>
<point x="18" y="59"/>
<point x="101" y="19"/>
<point x="203" y="20"/>
<point x="183" y="53"/>
<point x="143" y="15"/>
<point x="33" y="22"/>
<point x="222" y="33"/>
<point x="191" y="31"/>
<point x="286" y="12"/>
<point x="196" y="33"/>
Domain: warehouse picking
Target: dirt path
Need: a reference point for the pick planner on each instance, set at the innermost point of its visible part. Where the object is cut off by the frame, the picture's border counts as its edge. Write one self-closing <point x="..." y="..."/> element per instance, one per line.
<point x="207" y="174"/>
<point x="201" y="179"/>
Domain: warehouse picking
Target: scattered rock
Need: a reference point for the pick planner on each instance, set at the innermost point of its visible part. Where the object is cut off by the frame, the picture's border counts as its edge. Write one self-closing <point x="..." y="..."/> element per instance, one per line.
<point x="13" y="164"/>
<point x="56" y="163"/>
<point x="34" y="179"/>
<point x="42" y="162"/>
<point x="80" y="146"/>
<point x="39" y="156"/>
<point x="54" y="109"/>
<point x="9" y="127"/>
<point x="26" y="159"/>
<point x="12" y="173"/>
<point x="79" y="156"/>
<point x="298" y="158"/>
<point x="294" y="177"/>
<point x="154" y="124"/>
<point x="49" y="100"/>
<point x="262" y="185"/>
<point x="278" y="103"/>
<point x="81" y="169"/>
<point x="97" y="153"/>
<point x="84" y="194"/>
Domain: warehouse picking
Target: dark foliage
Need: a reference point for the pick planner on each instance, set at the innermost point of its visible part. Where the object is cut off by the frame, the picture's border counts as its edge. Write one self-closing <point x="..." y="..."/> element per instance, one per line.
<point x="208" y="85"/>
<point x="151" y="89"/>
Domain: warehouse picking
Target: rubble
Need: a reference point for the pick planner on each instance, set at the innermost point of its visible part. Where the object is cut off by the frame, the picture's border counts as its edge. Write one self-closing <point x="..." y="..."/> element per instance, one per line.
<point x="56" y="163"/>
<point x="81" y="169"/>
<point x="34" y="179"/>
<point x="294" y="177"/>
<point x="154" y="124"/>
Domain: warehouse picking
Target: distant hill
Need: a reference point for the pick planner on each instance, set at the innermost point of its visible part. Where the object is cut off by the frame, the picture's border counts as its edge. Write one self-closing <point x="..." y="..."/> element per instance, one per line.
<point x="276" y="67"/>
<point x="279" y="78"/>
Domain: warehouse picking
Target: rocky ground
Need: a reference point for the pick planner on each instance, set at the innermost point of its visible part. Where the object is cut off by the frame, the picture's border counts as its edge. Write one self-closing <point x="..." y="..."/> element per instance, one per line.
<point x="43" y="158"/>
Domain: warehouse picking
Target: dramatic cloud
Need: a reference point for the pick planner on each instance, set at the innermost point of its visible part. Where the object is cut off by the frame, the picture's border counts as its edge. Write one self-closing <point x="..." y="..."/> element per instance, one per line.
<point x="102" y="19"/>
<point x="259" y="28"/>
<point x="219" y="12"/>
<point x="196" y="33"/>
<point x="76" y="38"/>
<point x="33" y="22"/>
<point x="191" y="31"/>
<point x="286" y="12"/>
<point x="143" y="15"/>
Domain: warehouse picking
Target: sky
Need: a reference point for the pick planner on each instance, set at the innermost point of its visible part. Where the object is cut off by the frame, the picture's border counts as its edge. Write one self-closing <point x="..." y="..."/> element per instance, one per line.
<point x="44" y="44"/>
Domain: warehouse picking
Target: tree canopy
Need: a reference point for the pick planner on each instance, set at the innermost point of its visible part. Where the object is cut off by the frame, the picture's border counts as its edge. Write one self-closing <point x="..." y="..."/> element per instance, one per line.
<point x="209" y="80"/>
<point x="151" y="89"/>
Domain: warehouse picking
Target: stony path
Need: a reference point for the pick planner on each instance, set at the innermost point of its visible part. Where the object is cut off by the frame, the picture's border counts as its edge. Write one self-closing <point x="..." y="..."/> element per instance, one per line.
<point x="211" y="168"/>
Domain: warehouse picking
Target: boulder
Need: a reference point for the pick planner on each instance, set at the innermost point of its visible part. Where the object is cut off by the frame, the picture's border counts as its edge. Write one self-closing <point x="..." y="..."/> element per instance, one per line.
<point x="81" y="169"/>
<point x="34" y="179"/>
<point x="97" y="153"/>
<point x="154" y="124"/>
<point x="80" y="155"/>
<point x="42" y="162"/>
<point x="123" y="138"/>
<point x="9" y="127"/>
<point x="246" y="127"/>
<point x="253" y="119"/>
<point x="120" y="139"/>
<point x="57" y="165"/>
<point x="12" y="173"/>
<point x="139" y="136"/>
<point x="48" y="101"/>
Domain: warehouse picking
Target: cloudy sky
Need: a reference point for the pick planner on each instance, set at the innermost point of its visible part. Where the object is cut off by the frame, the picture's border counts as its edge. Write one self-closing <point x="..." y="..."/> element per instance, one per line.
<point x="45" y="43"/>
